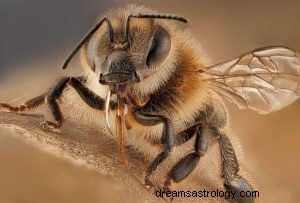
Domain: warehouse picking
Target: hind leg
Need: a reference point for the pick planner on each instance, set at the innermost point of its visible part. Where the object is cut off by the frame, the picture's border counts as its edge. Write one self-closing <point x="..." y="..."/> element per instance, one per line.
<point x="233" y="182"/>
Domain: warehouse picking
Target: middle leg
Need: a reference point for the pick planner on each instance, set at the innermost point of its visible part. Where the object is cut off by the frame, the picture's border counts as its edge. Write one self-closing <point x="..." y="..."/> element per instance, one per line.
<point x="167" y="140"/>
<point x="188" y="163"/>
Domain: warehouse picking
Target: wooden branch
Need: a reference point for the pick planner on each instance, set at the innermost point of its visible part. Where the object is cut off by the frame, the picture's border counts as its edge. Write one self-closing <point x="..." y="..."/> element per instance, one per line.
<point x="86" y="146"/>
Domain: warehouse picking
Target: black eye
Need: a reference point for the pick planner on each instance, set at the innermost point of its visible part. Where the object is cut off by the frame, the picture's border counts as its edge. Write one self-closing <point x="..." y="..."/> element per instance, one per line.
<point x="160" y="46"/>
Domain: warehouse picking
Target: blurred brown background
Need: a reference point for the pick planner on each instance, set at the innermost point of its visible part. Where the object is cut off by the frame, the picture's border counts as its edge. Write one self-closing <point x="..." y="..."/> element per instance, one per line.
<point x="38" y="35"/>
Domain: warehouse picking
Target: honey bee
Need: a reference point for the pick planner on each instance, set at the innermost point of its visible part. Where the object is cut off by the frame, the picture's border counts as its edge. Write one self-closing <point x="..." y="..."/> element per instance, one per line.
<point x="149" y="78"/>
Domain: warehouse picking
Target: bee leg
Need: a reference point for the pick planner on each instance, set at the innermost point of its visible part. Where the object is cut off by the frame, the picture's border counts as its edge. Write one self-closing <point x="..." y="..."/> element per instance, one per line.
<point x="232" y="181"/>
<point x="167" y="140"/>
<point x="30" y="104"/>
<point x="87" y="95"/>
<point x="230" y="167"/>
<point x="51" y="98"/>
<point x="187" y="164"/>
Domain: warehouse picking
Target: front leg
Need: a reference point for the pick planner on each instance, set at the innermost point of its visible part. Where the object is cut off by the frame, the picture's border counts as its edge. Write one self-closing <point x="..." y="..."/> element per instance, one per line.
<point x="167" y="140"/>
<point x="87" y="96"/>
<point x="55" y="93"/>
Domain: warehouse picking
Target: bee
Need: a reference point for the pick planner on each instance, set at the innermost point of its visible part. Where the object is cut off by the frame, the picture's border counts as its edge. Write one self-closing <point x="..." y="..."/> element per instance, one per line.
<point x="149" y="79"/>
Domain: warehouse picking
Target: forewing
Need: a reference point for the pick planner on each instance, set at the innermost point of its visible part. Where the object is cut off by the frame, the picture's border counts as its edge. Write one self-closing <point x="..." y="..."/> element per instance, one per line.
<point x="264" y="80"/>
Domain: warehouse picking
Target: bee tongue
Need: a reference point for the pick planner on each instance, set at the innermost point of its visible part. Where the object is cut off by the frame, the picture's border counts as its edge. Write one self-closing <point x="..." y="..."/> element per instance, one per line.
<point x="121" y="121"/>
<point x="107" y="111"/>
<point x="120" y="126"/>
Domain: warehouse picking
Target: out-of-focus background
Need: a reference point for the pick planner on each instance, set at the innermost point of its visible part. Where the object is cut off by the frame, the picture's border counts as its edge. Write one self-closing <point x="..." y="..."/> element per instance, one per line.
<point x="37" y="35"/>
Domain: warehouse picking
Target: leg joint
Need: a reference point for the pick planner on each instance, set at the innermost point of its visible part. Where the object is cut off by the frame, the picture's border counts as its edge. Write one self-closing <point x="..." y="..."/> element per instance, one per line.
<point x="58" y="89"/>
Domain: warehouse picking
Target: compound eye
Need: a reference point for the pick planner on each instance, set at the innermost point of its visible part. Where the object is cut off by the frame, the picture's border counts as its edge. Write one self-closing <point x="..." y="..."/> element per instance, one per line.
<point x="160" y="47"/>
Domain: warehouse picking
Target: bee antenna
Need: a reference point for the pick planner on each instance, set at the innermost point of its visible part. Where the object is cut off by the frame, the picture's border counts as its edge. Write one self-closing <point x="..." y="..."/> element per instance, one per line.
<point x="157" y="16"/>
<point x="161" y="16"/>
<point x="87" y="37"/>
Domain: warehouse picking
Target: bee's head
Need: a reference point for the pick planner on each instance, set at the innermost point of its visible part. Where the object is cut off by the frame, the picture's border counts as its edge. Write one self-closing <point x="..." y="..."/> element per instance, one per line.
<point x="117" y="69"/>
<point x="125" y="48"/>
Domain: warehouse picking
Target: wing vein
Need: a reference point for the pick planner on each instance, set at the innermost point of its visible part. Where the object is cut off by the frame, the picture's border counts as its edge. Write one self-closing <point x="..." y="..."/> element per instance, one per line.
<point x="227" y="91"/>
<point x="247" y="75"/>
<point x="263" y="96"/>
<point x="265" y="81"/>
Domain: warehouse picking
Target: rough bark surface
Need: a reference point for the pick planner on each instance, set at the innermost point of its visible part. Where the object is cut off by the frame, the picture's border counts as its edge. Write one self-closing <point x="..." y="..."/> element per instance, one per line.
<point x="87" y="148"/>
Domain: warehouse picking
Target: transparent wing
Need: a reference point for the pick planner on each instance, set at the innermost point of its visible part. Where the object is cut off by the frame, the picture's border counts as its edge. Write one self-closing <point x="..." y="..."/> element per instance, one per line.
<point x="264" y="80"/>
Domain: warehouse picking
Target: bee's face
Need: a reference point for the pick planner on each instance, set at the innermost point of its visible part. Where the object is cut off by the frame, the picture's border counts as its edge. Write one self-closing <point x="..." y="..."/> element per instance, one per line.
<point x="128" y="62"/>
